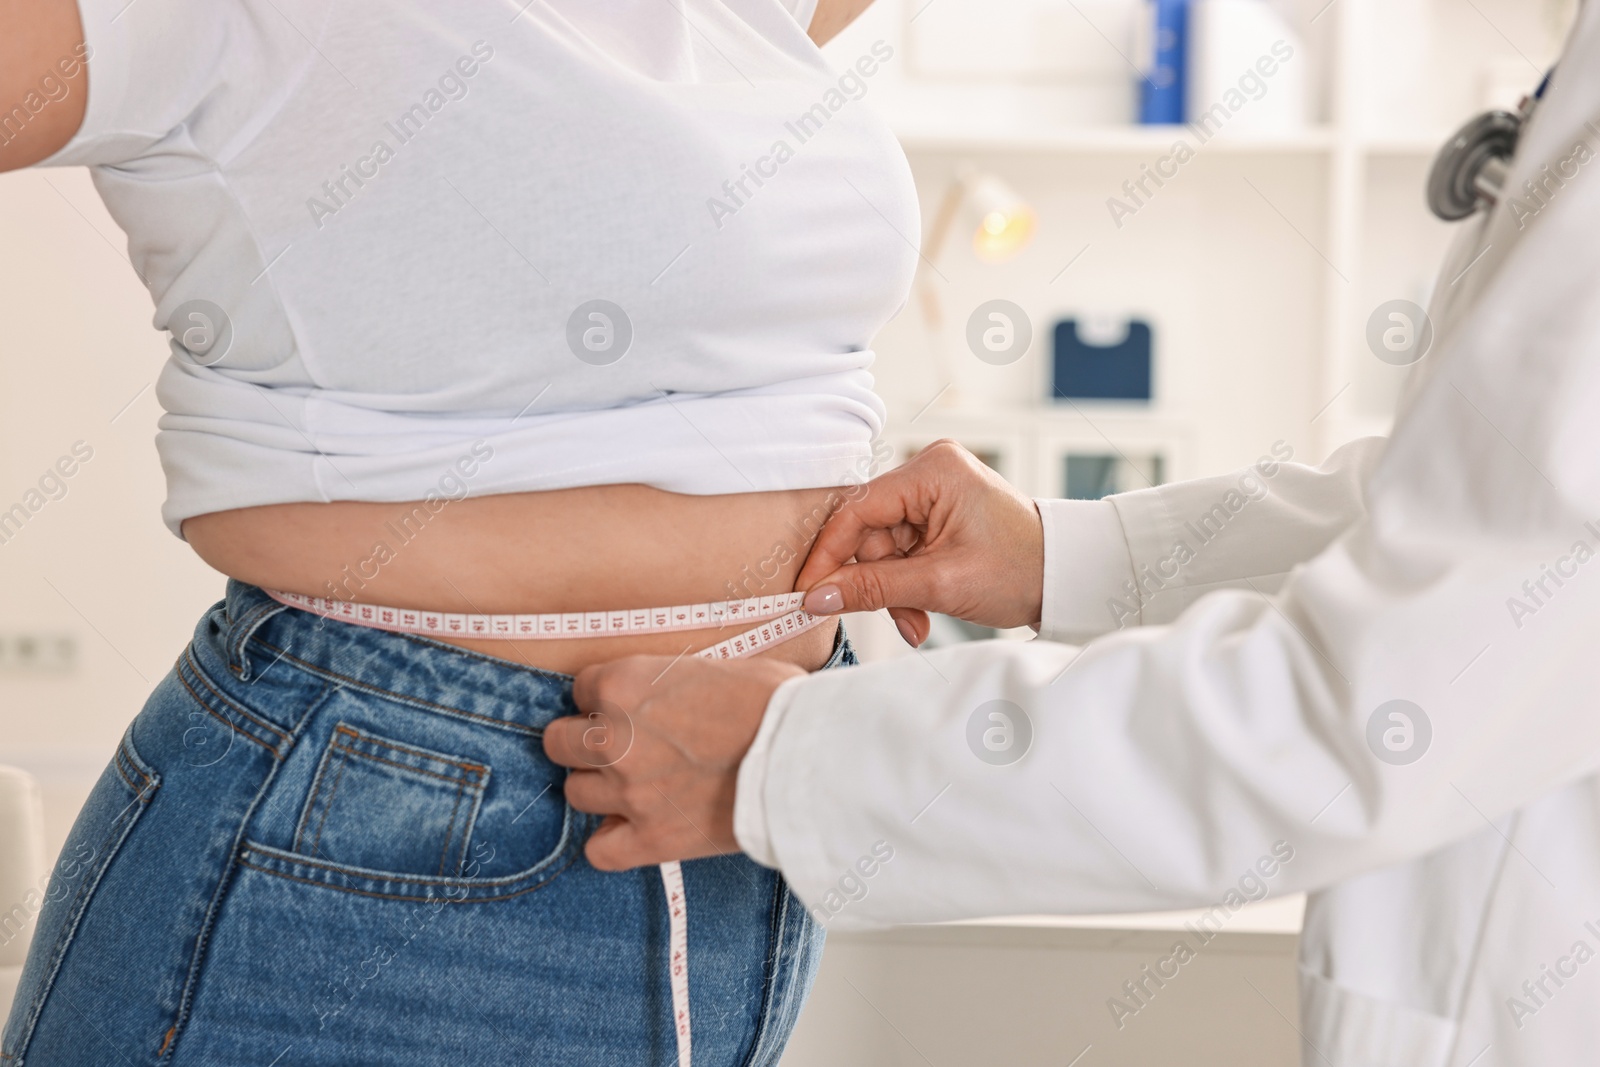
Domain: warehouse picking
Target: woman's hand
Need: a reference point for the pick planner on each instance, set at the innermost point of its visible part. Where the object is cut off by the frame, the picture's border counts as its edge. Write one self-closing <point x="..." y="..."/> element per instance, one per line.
<point x="943" y="533"/>
<point x="656" y="750"/>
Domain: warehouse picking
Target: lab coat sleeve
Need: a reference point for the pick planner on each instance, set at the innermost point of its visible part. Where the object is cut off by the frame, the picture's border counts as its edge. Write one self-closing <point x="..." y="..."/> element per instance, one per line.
<point x="802" y="10"/>
<point x="1142" y="557"/>
<point x="1139" y="557"/>
<point x="1430" y="670"/>
<point x="1087" y="569"/>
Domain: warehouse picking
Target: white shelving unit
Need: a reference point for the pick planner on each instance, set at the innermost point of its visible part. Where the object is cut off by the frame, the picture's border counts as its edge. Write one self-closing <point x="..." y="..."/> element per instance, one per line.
<point x="920" y="133"/>
<point x="1257" y="266"/>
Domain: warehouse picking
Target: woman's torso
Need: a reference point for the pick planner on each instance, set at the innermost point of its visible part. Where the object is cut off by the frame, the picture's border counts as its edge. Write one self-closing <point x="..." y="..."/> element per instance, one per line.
<point x="587" y="549"/>
<point x="599" y="278"/>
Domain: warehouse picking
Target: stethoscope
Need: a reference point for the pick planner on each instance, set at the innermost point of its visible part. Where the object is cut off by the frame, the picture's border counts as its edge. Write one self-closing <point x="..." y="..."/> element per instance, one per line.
<point x="1470" y="170"/>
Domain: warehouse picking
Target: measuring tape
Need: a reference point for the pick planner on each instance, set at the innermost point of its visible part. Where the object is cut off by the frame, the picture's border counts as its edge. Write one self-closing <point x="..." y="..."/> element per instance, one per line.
<point x="569" y="624"/>
<point x="780" y="618"/>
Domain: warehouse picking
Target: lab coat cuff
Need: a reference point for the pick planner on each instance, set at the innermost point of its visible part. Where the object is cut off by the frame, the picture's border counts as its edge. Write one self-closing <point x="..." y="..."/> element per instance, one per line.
<point x="750" y="827"/>
<point x="1151" y="531"/>
<point x="1088" y="571"/>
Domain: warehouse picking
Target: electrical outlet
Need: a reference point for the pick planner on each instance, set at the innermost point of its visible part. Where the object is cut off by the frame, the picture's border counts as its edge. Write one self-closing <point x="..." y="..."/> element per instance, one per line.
<point x="28" y="652"/>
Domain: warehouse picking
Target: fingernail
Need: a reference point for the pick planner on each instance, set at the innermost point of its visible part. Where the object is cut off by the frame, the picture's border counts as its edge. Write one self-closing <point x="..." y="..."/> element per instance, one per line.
<point x="824" y="600"/>
<point x="906" y="632"/>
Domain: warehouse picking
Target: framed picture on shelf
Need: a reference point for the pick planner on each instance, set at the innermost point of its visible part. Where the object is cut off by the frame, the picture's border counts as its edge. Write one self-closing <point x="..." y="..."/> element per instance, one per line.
<point x="1092" y="475"/>
<point x="1090" y="464"/>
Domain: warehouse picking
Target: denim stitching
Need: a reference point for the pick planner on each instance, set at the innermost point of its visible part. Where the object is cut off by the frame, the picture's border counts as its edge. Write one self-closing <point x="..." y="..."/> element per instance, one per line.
<point x="456" y="650"/>
<point x="244" y="861"/>
<point x="166" y="1042"/>
<point x="402" y="698"/>
<point x="449" y="831"/>
<point x="306" y="812"/>
<point x="470" y="781"/>
<point x="209" y="710"/>
<point x="202" y="941"/>
<point x="468" y="826"/>
<point x="327" y="805"/>
<point x="575" y="829"/>
<point x="200" y="676"/>
<point x="194" y="666"/>
<point x="470" y="777"/>
<point x="119" y="829"/>
<point x="484" y="657"/>
<point x="116" y="763"/>
<point x="381" y="742"/>
<point x="122" y="757"/>
<point x="242" y="632"/>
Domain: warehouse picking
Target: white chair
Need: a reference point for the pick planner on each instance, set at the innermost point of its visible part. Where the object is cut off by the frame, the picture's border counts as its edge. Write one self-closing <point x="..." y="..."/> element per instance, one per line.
<point x="22" y="872"/>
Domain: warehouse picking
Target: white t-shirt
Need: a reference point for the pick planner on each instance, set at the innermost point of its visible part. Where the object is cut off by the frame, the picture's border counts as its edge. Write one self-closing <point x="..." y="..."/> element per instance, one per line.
<point x="378" y="233"/>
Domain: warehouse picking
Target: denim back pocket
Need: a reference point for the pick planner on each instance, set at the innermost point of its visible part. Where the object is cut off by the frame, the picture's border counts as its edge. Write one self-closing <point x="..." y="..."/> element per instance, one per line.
<point x="377" y="803"/>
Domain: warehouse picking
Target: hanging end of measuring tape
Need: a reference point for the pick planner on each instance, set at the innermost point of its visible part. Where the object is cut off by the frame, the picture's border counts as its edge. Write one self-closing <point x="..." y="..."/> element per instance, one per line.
<point x="678" y="956"/>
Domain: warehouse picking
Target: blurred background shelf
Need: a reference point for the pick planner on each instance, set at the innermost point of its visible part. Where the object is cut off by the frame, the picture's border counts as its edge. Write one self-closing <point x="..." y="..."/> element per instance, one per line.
<point x="924" y="129"/>
<point x="921" y="127"/>
<point x="1422" y="145"/>
<point x="1257" y="267"/>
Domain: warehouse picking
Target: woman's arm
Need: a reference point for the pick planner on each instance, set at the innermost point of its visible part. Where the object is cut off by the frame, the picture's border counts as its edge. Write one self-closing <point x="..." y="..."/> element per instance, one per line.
<point x="41" y="106"/>
<point x="831" y="17"/>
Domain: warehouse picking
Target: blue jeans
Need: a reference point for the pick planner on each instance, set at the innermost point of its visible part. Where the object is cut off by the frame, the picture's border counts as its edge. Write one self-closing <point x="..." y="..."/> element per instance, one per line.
<point x="325" y="844"/>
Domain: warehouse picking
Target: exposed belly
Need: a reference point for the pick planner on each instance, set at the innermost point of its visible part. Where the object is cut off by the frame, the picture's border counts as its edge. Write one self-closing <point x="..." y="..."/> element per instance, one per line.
<point x="588" y="549"/>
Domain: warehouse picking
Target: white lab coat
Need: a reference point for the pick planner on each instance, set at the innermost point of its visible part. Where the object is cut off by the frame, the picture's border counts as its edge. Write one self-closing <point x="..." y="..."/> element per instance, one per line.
<point x="1225" y="713"/>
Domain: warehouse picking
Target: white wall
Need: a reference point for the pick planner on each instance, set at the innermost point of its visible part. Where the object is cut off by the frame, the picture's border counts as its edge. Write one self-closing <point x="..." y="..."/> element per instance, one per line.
<point x="79" y="358"/>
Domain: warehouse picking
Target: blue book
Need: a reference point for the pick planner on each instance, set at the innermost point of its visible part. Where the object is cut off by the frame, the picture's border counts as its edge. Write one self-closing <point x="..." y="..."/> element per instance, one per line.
<point x="1165" y="63"/>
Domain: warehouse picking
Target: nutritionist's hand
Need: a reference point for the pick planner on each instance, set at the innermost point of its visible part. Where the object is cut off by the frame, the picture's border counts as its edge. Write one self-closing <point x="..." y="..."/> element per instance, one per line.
<point x="656" y="750"/>
<point x="943" y="533"/>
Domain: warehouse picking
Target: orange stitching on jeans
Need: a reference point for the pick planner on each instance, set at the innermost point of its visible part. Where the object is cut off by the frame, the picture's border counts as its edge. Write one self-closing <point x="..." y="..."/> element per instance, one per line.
<point x="302" y="824"/>
<point x="274" y="853"/>
<point x="449" y="831"/>
<point x="116" y="761"/>
<point x="122" y="753"/>
<point x="374" y="739"/>
<point x="140" y="789"/>
<point x="209" y="710"/>
<point x="245" y="862"/>
<point x="470" y="778"/>
<point x="454" y="650"/>
<point x="327" y="805"/>
<point x="249" y="622"/>
<point x="356" y="683"/>
<point x="167" y="1043"/>
<point x="201" y="675"/>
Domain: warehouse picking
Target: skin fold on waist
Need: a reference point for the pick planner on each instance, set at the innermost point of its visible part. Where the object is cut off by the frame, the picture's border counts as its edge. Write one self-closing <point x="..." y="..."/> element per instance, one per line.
<point x="586" y="549"/>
